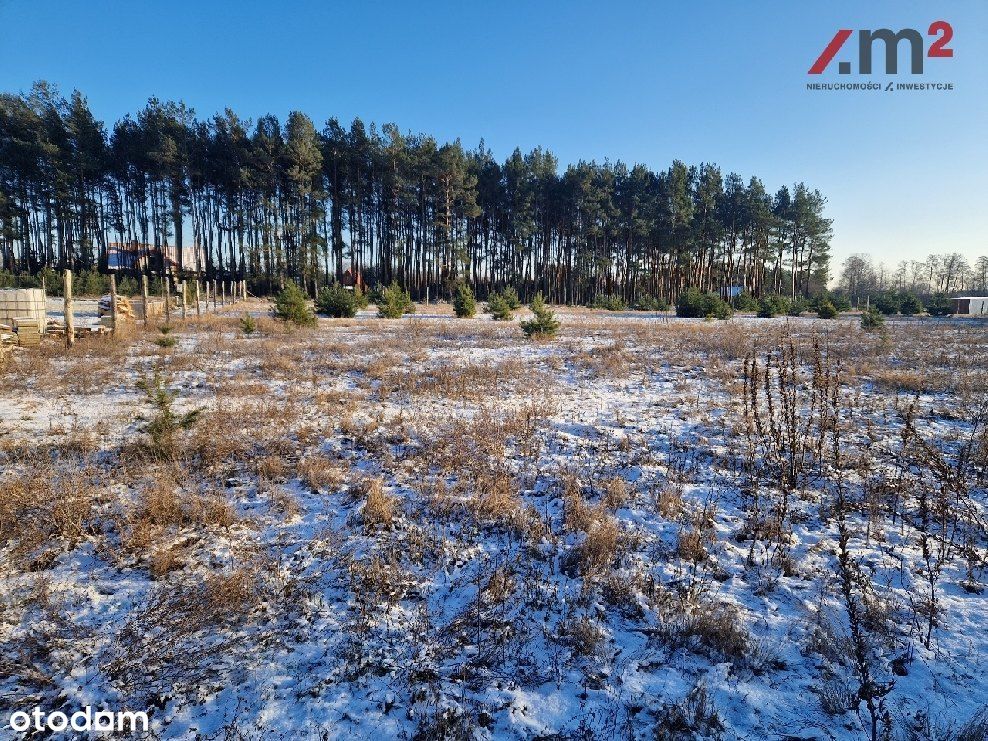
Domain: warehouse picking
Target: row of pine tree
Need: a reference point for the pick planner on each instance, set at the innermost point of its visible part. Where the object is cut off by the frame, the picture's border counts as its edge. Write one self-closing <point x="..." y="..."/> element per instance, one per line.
<point x="273" y="202"/>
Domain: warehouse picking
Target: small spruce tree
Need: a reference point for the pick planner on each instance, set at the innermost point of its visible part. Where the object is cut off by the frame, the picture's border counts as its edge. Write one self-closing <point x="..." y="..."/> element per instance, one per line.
<point x="498" y="308"/>
<point x="292" y="305"/>
<point x="872" y="319"/>
<point x="394" y="301"/>
<point x="544" y="324"/>
<point x="826" y="310"/>
<point x="464" y="303"/>
<point x="336" y="301"/>
<point x="510" y="296"/>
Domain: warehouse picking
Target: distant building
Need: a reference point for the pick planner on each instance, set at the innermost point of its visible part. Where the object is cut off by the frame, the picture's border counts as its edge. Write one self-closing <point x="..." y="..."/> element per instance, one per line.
<point x="139" y="256"/>
<point x="971" y="305"/>
<point x="353" y="279"/>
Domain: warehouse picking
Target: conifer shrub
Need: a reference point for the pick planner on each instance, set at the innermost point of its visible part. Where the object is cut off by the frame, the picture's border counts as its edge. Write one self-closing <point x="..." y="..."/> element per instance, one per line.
<point x="165" y="424"/>
<point x="544" y="324"/>
<point x="464" y="303"/>
<point x="651" y="303"/>
<point x="939" y="305"/>
<point x="694" y="304"/>
<point x="360" y="297"/>
<point x="393" y="301"/>
<point x="872" y="319"/>
<point x="910" y="305"/>
<point x="887" y="302"/>
<point x="336" y="301"/>
<point x="247" y="324"/>
<point x="773" y="305"/>
<point x="292" y="305"/>
<point x="510" y="296"/>
<point x="498" y="308"/>
<point x="609" y="302"/>
<point x="745" y="301"/>
<point x="826" y="310"/>
<point x="798" y="306"/>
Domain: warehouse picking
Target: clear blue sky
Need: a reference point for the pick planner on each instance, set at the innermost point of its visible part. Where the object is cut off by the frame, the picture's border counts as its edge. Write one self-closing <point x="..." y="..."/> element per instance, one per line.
<point x="718" y="81"/>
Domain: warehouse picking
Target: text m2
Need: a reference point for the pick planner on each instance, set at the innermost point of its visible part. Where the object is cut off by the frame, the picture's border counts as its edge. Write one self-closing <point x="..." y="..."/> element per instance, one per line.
<point x="941" y="32"/>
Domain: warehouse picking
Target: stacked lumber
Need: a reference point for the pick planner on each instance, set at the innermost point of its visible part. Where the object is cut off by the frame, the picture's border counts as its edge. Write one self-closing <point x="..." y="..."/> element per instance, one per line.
<point x="28" y="331"/>
<point x="125" y="309"/>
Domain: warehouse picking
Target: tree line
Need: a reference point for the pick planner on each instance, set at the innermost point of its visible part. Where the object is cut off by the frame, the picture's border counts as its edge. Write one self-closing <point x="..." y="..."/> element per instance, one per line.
<point x="271" y="201"/>
<point x="862" y="278"/>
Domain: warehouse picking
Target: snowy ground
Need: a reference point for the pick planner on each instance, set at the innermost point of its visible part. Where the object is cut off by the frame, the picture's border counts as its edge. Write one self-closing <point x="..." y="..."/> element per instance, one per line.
<point x="435" y="528"/>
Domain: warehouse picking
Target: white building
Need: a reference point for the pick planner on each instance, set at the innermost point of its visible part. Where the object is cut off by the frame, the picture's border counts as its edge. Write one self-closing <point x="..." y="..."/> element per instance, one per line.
<point x="971" y="305"/>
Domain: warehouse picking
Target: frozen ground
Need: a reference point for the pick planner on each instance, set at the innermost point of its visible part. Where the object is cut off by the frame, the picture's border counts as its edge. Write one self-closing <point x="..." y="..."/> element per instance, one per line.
<point x="435" y="528"/>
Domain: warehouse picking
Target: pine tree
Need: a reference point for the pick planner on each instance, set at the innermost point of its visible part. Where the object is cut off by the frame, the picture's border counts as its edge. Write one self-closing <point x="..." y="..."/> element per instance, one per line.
<point x="544" y="325"/>
<point x="291" y="305"/>
<point x="464" y="303"/>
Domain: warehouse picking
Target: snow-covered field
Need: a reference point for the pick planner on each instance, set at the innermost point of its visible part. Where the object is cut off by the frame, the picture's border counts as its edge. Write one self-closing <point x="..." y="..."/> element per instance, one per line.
<point x="435" y="528"/>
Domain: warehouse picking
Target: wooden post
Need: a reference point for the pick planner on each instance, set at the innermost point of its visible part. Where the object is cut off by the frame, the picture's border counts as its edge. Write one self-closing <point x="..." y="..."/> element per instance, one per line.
<point x="198" y="306"/>
<point x="222" y="293"/>
<point x="185" y="306"/>
<point x="166" y="291"/>
<point x="113" y="302"/>
<point x="244" y="284"/>
<point x="144" y="296"/>
<point x="214" y="295"/>
<point x="69" y="322"/>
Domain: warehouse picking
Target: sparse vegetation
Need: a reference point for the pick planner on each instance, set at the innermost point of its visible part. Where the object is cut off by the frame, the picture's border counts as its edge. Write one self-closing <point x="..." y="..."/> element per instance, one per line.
<point x="461" y="507"/>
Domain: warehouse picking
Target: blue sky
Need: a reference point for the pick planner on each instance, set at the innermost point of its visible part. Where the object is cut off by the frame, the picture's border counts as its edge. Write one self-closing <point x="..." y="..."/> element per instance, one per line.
<point x="715" y="81"/>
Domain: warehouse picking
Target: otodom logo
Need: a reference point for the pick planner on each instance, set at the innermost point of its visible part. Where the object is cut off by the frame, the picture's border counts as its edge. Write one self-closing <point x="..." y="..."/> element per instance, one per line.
<point x="940" y="31"/>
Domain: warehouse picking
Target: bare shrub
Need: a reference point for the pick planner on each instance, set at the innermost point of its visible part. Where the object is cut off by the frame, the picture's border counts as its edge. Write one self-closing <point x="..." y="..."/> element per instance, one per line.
<point x="693" y="717"/>
<point x="379" y="506"/>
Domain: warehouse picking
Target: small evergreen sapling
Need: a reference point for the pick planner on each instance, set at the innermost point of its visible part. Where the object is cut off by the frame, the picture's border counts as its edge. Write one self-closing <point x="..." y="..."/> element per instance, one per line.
<point x="939" y="305"/>
<point x="910" y="305"/>
<point x="464" y="303"/>
<point x="292" y="305"/>
<point x="872" y="319"/>
<point x="163" y="427"/>
<point x="826" y="310"/>
<point x="247" y="324"/>
<point x="510" y="296"/>
<point x="544" y="324"/>
<point x="394" y="301"/>
<point x="498" y="308"/>
<point x="336" y="301"/>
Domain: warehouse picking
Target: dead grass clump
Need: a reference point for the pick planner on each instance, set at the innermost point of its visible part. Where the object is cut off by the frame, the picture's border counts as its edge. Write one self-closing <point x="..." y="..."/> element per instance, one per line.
<point x="718" y="628"/>
<point x="46" y="507"/>
<point x="164" y="507"/>
<point x="320" y="473"/>
<point x="378" y="581"/>
<point x="581" y="635"/>
<point x="599" y="548"/>
<point x="616" y="493"/>
<point x="693" y="717"/>
<point x="379" y="507"/>
<point x="669" y="500"/>
<point x="171" y="643"/>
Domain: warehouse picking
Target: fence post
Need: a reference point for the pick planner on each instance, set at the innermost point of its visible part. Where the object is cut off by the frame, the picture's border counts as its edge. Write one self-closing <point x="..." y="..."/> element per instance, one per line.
<point x="144" y="296"/>
<point x="184" y="304"/>
<point x="69" y="321"/>
<point x="198" y="307"/>
<point x="166" y="290"/>
<point x="215" y="299"/>
<point x="113" y="303"/>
